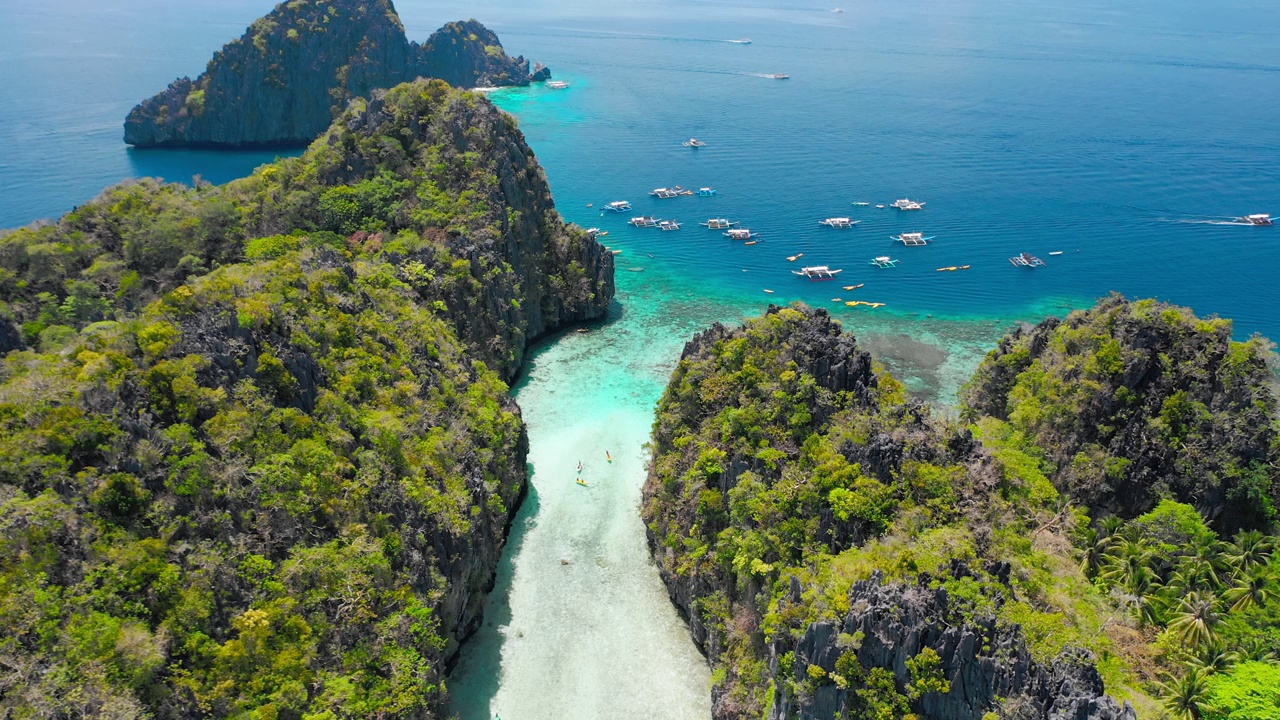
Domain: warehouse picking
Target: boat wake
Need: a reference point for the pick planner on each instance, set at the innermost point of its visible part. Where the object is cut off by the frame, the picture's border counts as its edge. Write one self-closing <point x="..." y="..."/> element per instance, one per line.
<point x="1190" y="221"/>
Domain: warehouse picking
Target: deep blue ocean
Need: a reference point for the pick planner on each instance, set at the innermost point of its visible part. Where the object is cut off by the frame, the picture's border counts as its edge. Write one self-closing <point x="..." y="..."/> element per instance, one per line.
<point x="1123" y="135"/>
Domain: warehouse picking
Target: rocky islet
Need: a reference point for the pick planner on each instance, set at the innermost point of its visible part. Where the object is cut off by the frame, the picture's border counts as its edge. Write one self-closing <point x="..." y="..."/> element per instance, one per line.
<point x="294" y="70"/>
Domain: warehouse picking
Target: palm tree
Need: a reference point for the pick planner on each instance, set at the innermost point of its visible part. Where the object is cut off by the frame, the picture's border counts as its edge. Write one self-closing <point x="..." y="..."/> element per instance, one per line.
<point x="1196" y="619"/>
<point x="1184" y="696"/>
<point x="1128" y="565"/>
<point x="1250" y="590"/>
<point x="1250" y="549"/>
<point x="1093" y="546"/>
<point x="1257" y="648"/>
<point x="1204" y="562"/>
<point x="1216" y="658"/>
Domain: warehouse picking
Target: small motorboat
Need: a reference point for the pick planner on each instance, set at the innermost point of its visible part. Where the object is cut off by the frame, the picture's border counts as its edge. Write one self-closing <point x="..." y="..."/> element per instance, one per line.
<point x="793" y="258"/>
<point x="618" y="206"/>
<point x="693" y="143"/>
<point x="583" y="331"/>
<point x="768" y="291"/>
<point x="1056" y="252"/>
<point x="1259" y="219"/>
<point x="880" y="207"/>
<point x="841" y="223"/>
<point x="740" y="41"/>
<point x="884" y="261"/>
<point x="778" y="76"/>
<point x="557" y="84"/>
<point x="862" y="204"/>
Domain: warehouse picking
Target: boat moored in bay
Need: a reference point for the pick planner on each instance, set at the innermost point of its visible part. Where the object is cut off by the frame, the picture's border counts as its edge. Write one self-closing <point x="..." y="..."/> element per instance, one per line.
<point x="618" y="206"/>
<point x="905" y="204"/>
<point x="644" y="221"/>
<point x="912" y="239"/>
<point x="693" y="143"/>
<point x="839" y="222"/>
<point x="817" y="272"/>
<point x="718" y="224"/>
<point x="668" y="225"/>
<point x="1026" y="260"/>
<point x="741" y="234"/>
<point x="884" y="261"/>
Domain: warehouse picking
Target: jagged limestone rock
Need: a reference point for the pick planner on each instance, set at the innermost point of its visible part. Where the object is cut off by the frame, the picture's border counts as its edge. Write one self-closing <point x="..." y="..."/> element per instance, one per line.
<point x="293" y="70"/>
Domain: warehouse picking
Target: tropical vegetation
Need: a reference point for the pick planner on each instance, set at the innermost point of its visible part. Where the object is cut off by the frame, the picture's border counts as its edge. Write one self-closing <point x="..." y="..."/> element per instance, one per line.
<point x="257" y="457"/>
<point x="1133" y="527"/>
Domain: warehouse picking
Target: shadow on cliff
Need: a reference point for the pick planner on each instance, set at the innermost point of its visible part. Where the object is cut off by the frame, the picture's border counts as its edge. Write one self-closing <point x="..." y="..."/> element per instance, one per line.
<point x="481" y="656"/>
<point x="613" y="314"/>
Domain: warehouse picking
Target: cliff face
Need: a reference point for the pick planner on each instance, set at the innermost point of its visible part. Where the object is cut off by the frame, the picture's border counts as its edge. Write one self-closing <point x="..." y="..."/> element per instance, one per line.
<point x="985" y="664"/>
<point x="1140" y="400"/>
<point x="286" y="78"/>
<point x="437" y="180"/>
<point x="257" y="457"/>
<point x="840" y="552"/>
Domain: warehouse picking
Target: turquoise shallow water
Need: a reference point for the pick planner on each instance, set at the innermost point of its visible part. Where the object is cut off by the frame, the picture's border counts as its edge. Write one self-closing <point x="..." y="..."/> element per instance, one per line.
<point x="1124" y="136"/>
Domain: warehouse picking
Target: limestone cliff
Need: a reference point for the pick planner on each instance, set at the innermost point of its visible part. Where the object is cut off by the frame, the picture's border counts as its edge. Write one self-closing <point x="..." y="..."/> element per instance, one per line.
<point x="293" y="70"/>
<point x="839" y="551"/>
<point x="257" y="458"/>
<point x="1141" y="400"/>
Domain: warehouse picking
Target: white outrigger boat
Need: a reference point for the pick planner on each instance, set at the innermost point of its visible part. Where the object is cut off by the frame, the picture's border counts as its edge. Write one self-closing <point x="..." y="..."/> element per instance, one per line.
<point x="706" y="192"/>
<point x="905" y="204"/>
<point x="668" y="193"/>
<point x="912" y="239"/>
<point x="644" y="221"/>
<point x="557" y="84"/>
<point x="817" y="272"/>
<point x="618" y="206"/>
<point x="693" y="143"/>
<point x="862" y="204"/>
<point x="668" y="225"/>
<point x="718" y="224"/>
<point x="1259" y="219"/>
<point x="1027" y="261"/>
<point x="741" y="234"/>
<point x="840" y="222"/>
<point x="884" y="261"/>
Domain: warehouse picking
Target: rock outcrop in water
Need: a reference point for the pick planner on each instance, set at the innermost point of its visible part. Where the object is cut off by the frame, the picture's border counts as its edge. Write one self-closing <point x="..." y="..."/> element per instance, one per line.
<point x="257" y="458"/>
<point x="284" y="81"/>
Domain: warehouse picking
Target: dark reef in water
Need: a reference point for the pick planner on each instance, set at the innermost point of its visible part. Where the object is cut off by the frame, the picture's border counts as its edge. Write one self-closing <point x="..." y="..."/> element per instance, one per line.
<point x="293" y="70"/>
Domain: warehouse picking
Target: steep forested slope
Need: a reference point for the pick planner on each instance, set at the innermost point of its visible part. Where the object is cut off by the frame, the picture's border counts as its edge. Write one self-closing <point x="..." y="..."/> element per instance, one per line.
<point x="1134" y="401"/>
<point x="256" y="453"/>
<point x="841" y="551"/>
